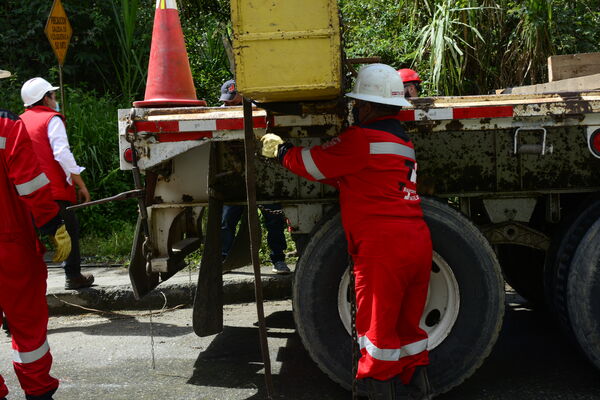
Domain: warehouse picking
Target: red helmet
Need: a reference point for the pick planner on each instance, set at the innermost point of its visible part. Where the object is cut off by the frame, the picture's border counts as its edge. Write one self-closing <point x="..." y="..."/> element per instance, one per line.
<point x="408" y="75"/>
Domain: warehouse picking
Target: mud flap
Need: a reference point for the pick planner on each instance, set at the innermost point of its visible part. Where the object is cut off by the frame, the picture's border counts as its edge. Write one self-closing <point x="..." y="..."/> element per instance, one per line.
<point x="208" y="302"/>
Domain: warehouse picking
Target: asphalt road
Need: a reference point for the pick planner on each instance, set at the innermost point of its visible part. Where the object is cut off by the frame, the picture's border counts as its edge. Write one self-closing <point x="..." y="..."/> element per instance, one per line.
<point x="110" y="357"/>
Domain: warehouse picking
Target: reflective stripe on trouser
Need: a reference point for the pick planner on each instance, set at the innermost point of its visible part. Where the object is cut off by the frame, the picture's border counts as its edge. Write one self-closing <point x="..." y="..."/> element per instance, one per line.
<point x="391" y="290"/>
<point x="23" y="300"/>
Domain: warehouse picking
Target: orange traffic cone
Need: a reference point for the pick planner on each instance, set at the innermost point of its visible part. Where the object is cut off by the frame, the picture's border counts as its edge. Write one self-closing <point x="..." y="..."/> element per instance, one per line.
<point x="169" y="75"/>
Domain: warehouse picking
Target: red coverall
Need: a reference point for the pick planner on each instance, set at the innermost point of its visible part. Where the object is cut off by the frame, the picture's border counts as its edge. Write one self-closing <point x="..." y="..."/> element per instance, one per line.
<point x="24" y="191"/>
<point x="374" y="167"/>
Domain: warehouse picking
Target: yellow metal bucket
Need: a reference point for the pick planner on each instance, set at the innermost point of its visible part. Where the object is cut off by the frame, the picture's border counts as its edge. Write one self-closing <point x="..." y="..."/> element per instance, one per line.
<point x="287" y="50"/>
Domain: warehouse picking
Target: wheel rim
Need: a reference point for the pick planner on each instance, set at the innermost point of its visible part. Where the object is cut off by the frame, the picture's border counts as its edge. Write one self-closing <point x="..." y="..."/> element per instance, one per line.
<point x="441" y="308"/>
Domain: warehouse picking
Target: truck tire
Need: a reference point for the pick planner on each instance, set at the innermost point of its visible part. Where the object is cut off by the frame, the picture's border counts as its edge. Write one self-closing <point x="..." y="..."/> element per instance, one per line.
<point x="583" y="294"/>
<point x="523" y="269"/>
<point x="464" y="309"/>
<point x="559" y="260"/>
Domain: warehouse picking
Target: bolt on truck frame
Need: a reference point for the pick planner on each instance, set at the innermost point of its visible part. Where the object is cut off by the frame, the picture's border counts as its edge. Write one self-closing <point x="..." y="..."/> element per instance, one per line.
<point x="511" y="187"/>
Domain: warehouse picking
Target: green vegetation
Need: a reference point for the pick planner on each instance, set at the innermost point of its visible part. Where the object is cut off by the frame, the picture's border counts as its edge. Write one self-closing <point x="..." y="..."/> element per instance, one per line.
<point x="457" y="46"/>
<point x="112" y="247"/>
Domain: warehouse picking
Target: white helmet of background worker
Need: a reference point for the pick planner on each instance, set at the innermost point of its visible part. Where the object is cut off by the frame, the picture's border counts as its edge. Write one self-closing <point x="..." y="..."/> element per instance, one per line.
<point x="4" y="74"/>
<point x="34" y="90"/>
<point x="379" y="83"/>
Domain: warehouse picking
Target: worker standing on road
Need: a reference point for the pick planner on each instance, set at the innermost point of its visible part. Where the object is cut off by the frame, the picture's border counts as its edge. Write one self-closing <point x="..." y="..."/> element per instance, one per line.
<point x="49" y="137"/>
<point x="24" y="192"/>
<point x="411" y="81"/>
<point x="373" y="165"/>
<point x="272" y="213"/>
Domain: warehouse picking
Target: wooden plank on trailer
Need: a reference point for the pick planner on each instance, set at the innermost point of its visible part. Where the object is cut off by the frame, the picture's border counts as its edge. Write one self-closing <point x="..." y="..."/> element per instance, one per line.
<point x="573" y="66"/>
<point x="590" y="82"/>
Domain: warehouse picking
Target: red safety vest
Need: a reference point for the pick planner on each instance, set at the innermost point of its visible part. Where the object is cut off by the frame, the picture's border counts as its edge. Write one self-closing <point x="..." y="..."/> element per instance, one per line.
<point x="36" y="120"/>
<point x="24" y="188"/>
<point x="372" y="164"/>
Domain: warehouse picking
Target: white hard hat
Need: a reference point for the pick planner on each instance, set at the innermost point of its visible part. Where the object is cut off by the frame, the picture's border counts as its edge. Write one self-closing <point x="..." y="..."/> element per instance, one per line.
<point x="4" y="74"/>
<point x="379" y="83"/>
<point x="34" y="90"/>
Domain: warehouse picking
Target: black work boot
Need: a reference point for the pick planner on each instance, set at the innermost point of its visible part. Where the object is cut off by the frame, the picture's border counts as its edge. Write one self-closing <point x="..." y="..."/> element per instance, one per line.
<point x="6" y="328"/>
<point x="79" y="282"/>
<point x="45" y="396"/>
<point x="381" y="390"/>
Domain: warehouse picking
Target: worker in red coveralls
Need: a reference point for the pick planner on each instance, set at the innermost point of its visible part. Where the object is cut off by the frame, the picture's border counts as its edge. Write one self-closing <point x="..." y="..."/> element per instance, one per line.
<point x="373" y="165"/>
<point x="25" y="195"/>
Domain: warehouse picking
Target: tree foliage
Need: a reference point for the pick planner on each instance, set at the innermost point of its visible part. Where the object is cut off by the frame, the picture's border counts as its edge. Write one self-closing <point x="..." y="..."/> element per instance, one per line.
<point x="457" y="46"/>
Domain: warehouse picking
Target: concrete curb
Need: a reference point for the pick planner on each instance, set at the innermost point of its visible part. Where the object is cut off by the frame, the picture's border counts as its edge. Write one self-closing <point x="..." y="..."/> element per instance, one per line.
<point x="238" y="287"/>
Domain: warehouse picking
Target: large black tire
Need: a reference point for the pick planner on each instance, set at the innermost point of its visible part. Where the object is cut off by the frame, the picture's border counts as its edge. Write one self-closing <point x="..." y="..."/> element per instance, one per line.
<point x="523" y="269"/>
<point x="560" y="258"/>
<point x="583" y="294"/>
<point x="469" y="339"/>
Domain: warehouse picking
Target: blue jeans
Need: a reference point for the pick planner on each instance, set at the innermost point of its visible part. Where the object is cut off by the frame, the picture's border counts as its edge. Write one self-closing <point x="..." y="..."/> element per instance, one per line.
<point x="275" y="224"/>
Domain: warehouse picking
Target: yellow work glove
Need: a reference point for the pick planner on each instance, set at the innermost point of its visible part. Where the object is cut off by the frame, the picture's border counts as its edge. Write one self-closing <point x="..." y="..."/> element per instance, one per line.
<point x="270" y="142"/>
<point x="62" y="244"/>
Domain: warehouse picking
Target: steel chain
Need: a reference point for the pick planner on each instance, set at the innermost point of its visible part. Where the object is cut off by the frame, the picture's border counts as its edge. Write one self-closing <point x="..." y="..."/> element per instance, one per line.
<point x="147" y="253"/>
<point x="269" y="211"/>
<point x="355" y="350"/>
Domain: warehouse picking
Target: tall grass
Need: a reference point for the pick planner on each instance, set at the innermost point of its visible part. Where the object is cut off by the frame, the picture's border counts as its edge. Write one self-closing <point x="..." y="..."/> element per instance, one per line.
<point x="445" y="42"/>
<point x="93" y="136"/>
<point x="129" y="55"/>
<point x="530" y="44"/>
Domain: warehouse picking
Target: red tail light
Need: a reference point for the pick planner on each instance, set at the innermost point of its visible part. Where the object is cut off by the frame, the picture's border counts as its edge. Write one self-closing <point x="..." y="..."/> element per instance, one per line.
<point x="128" y="155"/>
<point x="595" y="142"/>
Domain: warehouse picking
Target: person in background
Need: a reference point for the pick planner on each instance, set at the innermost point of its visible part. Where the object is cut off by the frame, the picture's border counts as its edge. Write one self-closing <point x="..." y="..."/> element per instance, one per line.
<point x="46" y="127"/>
<point x="26" y="199"/>
<point x="411" y="81"/>
<point x="373" y="164"/>
<point x="272" y="213"/>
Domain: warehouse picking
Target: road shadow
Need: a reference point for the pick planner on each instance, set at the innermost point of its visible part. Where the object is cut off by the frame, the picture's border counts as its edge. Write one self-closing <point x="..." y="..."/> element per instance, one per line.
<point x="532" y="360"/>
<point x="126" y="326"/>
<point x="233" y="360"/>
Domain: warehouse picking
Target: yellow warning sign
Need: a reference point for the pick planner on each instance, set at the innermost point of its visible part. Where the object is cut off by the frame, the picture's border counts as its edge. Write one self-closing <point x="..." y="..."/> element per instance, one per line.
<point x="58" y="31"/>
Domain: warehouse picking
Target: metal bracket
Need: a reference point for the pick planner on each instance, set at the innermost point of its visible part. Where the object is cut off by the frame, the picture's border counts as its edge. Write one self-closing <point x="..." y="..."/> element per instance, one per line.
<point x="541" y="148"/>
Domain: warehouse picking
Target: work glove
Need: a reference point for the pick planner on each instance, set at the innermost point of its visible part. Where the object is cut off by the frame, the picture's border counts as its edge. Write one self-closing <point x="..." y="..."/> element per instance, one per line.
<point x="60" y="237"/>
<point x="270" y="144"/>
<point x="62" y="244"/>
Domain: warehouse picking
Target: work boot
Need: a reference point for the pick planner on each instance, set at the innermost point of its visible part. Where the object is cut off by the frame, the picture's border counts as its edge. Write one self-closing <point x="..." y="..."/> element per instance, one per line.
<point x="6" y="328"/>
<point x="280" y="267"/>
<point x="381" y="390"/>
<point x="79" y="282"/>
<point x="45" y="396"/>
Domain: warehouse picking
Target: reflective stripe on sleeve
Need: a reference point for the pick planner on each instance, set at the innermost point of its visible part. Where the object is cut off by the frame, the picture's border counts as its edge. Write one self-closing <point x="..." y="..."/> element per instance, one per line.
<point x="392" y="354"/>
<point x="2" y="143"/>
<point x="310" y="165"/>
<point x="28" y="357"/>
<point x="392" y="148"/>
<point x="29" y="187"/>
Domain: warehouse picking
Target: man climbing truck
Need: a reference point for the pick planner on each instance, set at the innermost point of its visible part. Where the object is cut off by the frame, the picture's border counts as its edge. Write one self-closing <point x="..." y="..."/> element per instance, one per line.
<point x="373" y="165"/>
<point x="514" y="184"/>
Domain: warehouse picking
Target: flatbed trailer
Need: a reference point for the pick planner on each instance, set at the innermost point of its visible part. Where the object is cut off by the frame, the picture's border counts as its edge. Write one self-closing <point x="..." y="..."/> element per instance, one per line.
<point x="510" y="189"/>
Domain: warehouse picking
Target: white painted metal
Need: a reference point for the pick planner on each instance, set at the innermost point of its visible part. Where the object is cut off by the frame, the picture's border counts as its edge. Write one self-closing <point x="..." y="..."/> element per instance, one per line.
<point x="443" y="297"/>
<point x="303" y="217"/>
<point x="188" y="177"/>
<point x="510" y="209"/>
